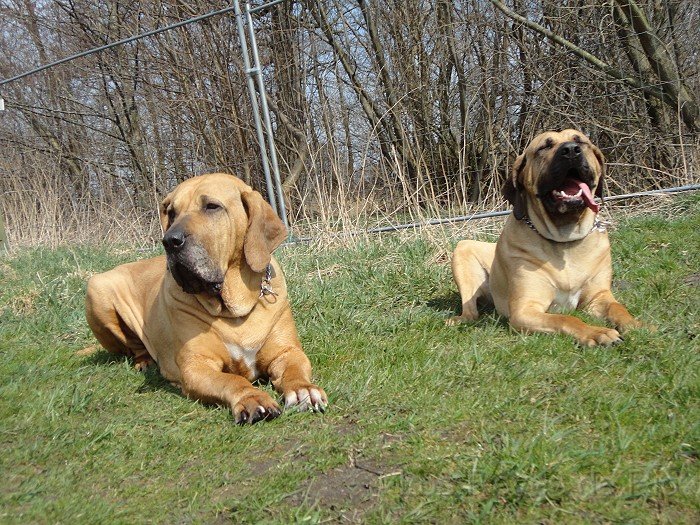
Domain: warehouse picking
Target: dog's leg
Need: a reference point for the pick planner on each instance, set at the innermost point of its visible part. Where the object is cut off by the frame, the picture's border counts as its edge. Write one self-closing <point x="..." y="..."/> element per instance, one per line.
<point x="290" y="373"/>
<point x="110" y="328"/>
<point x="471" y="266"/>
<point x="532" y="316"/>
<point x="287" y="366"/>
<point x="204" y="379"/>
<point x="604" y="306"/>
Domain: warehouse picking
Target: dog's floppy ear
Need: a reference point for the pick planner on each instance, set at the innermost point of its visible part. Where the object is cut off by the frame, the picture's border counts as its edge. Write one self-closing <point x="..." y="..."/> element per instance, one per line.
<point x="163" y="213"/>
<point x="601" y="160"/>
<point x="513" y="188"/>
<point x="265" y="231"/>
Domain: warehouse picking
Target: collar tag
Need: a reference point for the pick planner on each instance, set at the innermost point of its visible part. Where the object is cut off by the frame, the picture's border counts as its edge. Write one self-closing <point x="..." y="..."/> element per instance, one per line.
<point x="601" y="226"/>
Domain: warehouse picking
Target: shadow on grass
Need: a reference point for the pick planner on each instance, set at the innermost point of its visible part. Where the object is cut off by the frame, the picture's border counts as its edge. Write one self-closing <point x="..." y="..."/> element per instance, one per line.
<point x="153" y="381"/>
<point x="103" y="357"/>
<point x="452" y="304"/>
<point x="446" y="303"/>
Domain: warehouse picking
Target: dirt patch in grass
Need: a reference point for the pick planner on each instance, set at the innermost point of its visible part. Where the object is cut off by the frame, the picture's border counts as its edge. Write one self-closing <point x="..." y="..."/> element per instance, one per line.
<point x="279" y="456"/>
<point x="692" y="279"/>
<point x="347" y="490"/>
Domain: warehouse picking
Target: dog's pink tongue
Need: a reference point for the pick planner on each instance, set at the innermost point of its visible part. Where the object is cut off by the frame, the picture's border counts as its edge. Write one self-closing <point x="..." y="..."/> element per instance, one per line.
<point x="588" y="197"/>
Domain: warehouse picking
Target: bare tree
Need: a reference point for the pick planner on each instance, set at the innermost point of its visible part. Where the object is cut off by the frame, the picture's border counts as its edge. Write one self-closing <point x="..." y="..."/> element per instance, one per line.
<point x="663" y="82"/>
<point x="385" y="109"/>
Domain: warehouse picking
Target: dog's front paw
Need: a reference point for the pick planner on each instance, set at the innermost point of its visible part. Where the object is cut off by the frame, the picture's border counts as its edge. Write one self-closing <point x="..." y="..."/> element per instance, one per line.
<point x="306" y="396"/>
<point x="254" y="407"/>
<point x="141" y="364"/>
<point x="598" y="335"/>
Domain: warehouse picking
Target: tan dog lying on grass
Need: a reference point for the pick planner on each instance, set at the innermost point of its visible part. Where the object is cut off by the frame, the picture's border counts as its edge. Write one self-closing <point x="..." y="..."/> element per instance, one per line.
<point x="212" y="312"/>
<point x="552" y="253"/>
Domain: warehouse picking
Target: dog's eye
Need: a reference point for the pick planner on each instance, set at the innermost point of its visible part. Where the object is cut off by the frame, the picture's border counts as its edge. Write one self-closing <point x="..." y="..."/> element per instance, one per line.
<point x="547" y="145"/>
<point x="212" y="206"/>
<point x="171" y="214"/>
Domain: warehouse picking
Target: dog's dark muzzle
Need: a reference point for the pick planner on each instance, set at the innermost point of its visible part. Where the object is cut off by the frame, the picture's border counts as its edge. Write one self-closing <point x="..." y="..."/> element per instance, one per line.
<point x="569" y="162"/>
<point x="570" y="181"/>
<point x="190" y="264"/>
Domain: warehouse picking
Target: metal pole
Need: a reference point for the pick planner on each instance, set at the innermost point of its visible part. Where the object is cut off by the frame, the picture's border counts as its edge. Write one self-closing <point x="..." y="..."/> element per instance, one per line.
<point x="249" y="71"/>
<point x="4" y="247"/>
<point x="262" y="93"/>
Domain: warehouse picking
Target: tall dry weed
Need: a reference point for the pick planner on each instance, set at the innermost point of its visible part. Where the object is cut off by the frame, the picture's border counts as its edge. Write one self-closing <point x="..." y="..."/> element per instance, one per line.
<point x="329" y="207"/>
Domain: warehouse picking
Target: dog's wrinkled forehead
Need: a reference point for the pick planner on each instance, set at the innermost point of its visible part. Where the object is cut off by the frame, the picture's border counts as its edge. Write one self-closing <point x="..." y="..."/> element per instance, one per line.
<point x="549" y="140"/>
<point x="198" y="193"/>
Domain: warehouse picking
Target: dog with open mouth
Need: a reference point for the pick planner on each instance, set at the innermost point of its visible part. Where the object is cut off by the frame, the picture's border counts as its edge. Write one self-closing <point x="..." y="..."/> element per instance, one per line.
<point x="553" y="254"/>
<point x="212" y="312"/>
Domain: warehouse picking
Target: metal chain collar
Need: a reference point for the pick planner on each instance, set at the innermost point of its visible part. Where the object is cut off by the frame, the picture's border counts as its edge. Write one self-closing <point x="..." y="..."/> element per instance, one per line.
<point x="598" y="225"/>
<point x="265" y="284"/>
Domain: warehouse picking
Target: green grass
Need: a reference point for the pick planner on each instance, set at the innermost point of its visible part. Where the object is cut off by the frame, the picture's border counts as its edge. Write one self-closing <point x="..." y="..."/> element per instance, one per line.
<point x="427" y="423"/>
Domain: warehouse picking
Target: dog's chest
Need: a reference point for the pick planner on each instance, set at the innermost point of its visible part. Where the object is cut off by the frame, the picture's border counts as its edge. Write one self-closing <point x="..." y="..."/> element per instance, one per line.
<point x="569" y="282"/>
<point x="565" y="300"/>
<point x="244" y="358"/>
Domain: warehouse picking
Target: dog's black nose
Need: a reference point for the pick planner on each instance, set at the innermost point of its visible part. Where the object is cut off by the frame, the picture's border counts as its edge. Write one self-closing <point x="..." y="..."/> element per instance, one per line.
<point x="174" y="239"/>
<point x="569" y="150"/>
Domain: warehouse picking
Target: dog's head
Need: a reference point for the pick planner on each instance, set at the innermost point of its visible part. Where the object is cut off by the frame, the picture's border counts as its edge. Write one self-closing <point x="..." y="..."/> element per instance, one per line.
<point x="212" y="223"/>
<point x="556" y="177"/>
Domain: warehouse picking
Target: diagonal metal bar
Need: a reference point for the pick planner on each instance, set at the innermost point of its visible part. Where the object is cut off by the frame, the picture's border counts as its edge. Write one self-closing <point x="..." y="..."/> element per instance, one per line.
<point x="261" y="111"/>
<point x="265" y="110"/>
<point x="249" y="72"/>
<point x="115" y="44"/>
